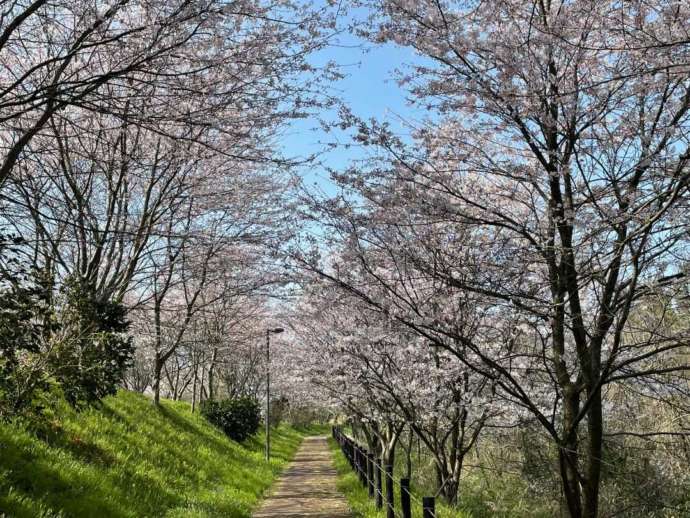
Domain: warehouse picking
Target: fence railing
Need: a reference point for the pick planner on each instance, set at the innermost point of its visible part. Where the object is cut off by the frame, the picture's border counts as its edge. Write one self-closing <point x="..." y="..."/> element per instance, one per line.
<point x="378" y="478"/>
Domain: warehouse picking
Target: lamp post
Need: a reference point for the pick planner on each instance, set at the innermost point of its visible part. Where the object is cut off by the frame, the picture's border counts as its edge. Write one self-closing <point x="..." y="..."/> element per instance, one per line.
<point x="269" y="332"/>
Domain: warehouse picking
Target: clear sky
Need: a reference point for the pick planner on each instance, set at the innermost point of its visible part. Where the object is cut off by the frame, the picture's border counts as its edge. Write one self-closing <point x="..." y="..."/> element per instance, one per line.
<point x="369" y="90"/>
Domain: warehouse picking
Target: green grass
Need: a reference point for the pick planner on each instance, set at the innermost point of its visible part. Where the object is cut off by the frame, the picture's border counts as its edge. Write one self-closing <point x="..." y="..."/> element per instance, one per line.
<point x="483" y="494"/>
<point x="130" y="459"/>
<point x="487" y="490"/>
<point x="365" y="507"/>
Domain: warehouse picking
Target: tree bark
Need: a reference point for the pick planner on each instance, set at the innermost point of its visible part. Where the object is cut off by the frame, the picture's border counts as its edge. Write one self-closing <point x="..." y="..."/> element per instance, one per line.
<point x="157" y="371"/>
<point x="595" y="425"/>
<point x="214" y="357"/>
<point x="194" y="386"/>
<point x="568" y="455"/>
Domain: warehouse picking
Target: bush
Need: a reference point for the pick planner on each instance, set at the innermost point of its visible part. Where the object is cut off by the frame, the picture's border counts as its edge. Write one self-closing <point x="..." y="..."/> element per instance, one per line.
<point x="74" y="340"/>
<point x="91" y="351"/>
<point x="305" y="415"/>
<point x="279" y="409"/>
<point x="238" y="418"/>
<point x="25" y="320"/>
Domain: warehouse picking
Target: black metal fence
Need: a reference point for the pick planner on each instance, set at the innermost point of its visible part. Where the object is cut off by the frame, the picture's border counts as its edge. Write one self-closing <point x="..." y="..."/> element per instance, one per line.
<point x="379" y="480"/>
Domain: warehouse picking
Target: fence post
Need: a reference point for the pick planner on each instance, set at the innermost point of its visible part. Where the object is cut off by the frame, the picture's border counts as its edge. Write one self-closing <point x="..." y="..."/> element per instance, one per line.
<point x="429" y="507"/>
<point x="370" y="473"/>
<point x="390" y="498"/>
<point x="405" y="498"/>
<point x="379" y="486"/>
<point x="363" y="472"/>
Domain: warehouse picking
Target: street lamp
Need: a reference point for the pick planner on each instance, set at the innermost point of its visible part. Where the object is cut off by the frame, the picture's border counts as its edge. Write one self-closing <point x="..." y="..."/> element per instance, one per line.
<point x="269" y="332"/>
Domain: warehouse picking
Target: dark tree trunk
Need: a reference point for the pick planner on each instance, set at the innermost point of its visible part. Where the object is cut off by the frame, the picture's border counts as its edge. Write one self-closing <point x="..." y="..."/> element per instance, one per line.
<point x="211" y="392"/>
<point x="568" y="455"/>
<point x="595" y="452"/>
<point x="157" y="371"/>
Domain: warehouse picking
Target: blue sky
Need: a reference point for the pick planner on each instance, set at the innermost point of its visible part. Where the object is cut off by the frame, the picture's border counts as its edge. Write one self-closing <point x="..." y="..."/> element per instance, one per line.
<point x="369" y="89"/>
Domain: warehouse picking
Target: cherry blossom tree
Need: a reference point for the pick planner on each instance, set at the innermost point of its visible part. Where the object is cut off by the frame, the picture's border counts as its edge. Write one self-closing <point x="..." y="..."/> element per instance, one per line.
<point x="386" y="377"/>
<point x="140" y="146"/>
<point x="188" y="61"/>
<point x="550" y="186"/>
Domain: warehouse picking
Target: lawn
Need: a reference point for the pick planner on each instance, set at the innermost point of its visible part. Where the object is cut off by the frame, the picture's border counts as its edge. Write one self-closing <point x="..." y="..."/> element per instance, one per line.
<point x="127" y="458"/>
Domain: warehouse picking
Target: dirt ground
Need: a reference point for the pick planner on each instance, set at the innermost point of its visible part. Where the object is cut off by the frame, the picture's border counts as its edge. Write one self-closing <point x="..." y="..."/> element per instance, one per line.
<point x="308" y="486"/>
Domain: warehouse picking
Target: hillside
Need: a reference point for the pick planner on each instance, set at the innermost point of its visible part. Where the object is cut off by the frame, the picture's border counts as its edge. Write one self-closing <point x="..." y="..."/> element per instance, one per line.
<point x="129" y="459"/>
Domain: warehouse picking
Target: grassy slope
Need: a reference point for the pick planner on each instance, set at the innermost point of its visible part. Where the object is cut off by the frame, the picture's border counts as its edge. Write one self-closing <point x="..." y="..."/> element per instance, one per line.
<point x="358" y="496"/>
<point x="129" y="459"/>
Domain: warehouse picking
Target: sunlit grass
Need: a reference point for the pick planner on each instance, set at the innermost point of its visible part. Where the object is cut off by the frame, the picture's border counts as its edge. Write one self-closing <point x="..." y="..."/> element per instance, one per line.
<point x="130" y="459"/>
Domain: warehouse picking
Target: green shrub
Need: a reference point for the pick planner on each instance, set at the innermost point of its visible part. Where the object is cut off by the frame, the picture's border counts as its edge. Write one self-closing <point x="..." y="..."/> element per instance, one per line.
<point x="237" y="418"/>
<point x="279" y="409"/>
<point x="72" y="339"/>
<point x="25" y="320"/>
<point x="92" y="351"/>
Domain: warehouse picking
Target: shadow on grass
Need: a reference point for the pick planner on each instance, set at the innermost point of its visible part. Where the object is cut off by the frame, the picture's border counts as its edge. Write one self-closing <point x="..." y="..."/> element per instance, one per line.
<point x="53" y="434"/>
<point x="46" y="476"/>
<point x="129" y="458"/>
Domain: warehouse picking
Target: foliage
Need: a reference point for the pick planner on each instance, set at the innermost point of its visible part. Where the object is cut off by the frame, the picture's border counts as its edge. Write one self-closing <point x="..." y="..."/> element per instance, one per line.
<point x="25" y="319"/>
<point x="92" y="351"/>
<point x="20" y="334"/>
<point x="279" y="408"/>
<point x="301" y="415"/>
<point x="237" y="418"/>
<point x="128" y="459"/>
<point x="140" y="156"/>
<point x="79" y="344"/>
<point x="525" y="230"/>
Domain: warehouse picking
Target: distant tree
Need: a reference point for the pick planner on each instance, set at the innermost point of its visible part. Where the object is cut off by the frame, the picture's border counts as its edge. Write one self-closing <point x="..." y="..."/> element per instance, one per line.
<point x="387" y="377"/>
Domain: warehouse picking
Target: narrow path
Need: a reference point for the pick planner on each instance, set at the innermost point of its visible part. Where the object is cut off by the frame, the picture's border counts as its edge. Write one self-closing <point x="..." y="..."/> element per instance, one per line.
<point x="308" y="486"/>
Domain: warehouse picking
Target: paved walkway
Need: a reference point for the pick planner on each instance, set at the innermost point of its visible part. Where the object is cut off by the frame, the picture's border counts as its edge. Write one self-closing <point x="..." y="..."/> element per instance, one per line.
<point x="307" y="488"/>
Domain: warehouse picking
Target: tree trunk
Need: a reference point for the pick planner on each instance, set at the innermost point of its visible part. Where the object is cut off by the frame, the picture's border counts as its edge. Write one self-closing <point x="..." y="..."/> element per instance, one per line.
<point x="158" y="363"/>
<point x="595" y="452"/>
<point x="568" y="455"/>
<point x="389" y="455"/>
<point x="201" y="386"/>
<point x="157" y="370"/>
<point x="194" y="387"/>
<point x="451" y="486"/>
<point x="214" y="357"/>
